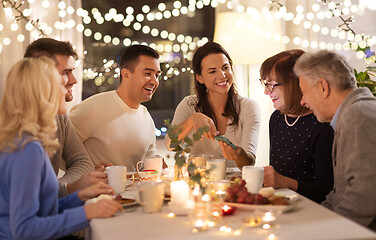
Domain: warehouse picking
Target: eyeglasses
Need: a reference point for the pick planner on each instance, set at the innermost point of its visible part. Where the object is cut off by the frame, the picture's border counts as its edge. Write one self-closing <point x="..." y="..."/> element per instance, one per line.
<point x="269" y="86"/>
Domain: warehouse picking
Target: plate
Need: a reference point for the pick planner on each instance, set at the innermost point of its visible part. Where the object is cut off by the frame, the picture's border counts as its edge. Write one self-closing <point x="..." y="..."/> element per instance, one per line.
<point x="127" y="202"/>
<point x="267" y="207"/>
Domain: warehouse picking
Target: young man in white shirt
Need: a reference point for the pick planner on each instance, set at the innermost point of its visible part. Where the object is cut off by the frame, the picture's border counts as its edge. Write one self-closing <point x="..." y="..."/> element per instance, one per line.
<point x="114" y="126"/>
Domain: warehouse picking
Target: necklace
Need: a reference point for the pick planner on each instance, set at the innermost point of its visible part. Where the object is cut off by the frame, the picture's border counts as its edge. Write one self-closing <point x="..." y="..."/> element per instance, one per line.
<point x="292" y="124"/>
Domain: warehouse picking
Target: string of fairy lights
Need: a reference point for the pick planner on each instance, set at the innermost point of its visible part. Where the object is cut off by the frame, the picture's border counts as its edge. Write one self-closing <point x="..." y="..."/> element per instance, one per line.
<point x="179" y="43"/>
<point x="178" y="48"/>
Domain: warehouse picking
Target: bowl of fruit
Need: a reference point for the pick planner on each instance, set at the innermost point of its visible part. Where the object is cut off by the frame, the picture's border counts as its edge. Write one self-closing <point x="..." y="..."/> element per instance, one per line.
<point x="238" y="196"/>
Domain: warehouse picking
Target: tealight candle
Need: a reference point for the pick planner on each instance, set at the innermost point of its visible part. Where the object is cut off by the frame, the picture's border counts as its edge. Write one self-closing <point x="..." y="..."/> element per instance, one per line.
<point x="268" y="217"/>
<point x="228" y="210"/>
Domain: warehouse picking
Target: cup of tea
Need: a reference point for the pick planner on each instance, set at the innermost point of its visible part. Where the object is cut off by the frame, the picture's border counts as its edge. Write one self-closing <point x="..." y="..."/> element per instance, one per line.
<point x="150" y="196"/>
<point x="151" y="163"/>
<point x="117" y="178"/>
<point x="254" y="177"/>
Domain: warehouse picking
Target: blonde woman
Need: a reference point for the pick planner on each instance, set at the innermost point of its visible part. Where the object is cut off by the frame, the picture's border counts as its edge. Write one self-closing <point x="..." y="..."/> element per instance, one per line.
<point x="30" y="209"/>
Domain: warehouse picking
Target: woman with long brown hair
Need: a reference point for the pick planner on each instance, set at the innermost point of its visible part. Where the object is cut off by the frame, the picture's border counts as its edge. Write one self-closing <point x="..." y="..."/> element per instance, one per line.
<point x="218" y="105"/>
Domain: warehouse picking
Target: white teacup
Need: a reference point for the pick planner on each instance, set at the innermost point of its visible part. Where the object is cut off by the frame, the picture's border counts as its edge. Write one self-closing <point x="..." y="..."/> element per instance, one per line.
<point x="219" y="171"/>
<point x="117" y="178"/>
<point x="150" y="196"/>
<point x="254" y="177"/>
<point x="151" y="163"/>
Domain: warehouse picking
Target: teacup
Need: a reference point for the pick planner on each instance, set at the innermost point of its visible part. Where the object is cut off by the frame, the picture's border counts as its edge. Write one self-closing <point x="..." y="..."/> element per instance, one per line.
<point x="148" y="176"/>
<point x="151" y="163"/>
<point x="117" y="178"/>
<point x="254" y="177"/>
<point x="150" y="196"/>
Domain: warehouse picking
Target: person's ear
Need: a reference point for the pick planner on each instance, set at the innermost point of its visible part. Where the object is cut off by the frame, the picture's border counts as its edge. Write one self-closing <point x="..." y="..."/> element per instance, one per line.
<point x="125" y="74"/>
<point x="324" y="87"/>
<point x="199" y="78"/>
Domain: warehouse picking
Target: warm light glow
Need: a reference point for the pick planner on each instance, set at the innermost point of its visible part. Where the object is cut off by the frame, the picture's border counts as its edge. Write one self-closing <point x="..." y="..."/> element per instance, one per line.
<point x="205" y="198"/>
<point x="6" y="41"/>
<point x="268" y="217"/>
<point x="171" y="215"/>
<point x="271" y="237"/>
<point x="266" y="226"/>
<point x="20" y="38"/>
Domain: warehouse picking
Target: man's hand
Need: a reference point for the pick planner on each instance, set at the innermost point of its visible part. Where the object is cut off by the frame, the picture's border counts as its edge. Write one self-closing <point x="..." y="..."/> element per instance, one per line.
<point x="94" y="190"/>
<point x="101" y="167"/>
<point x="86" y="180"/>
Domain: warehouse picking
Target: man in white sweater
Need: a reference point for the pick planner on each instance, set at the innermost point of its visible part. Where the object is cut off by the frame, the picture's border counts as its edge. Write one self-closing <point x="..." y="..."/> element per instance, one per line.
<point x="114" y="126"/>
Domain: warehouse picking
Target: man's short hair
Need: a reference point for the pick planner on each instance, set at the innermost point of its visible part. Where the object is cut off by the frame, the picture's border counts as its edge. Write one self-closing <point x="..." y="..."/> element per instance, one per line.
<point x="130" y="56"/>
<point x="328" y="65"/>
<point x="50" y="47"/>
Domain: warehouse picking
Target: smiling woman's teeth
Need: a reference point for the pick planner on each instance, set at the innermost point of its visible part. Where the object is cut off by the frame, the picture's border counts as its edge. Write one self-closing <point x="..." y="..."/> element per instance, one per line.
<point x="222" y="83"/>
<point x="149" y="89"/>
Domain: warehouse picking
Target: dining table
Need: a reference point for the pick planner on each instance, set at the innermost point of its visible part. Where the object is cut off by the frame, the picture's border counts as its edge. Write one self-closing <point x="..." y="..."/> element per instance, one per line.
<point x="307" y="220"/>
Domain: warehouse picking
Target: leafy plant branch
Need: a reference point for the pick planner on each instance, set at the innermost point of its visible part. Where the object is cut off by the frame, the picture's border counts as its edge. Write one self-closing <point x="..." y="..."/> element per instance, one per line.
<point x="182" y="147"/>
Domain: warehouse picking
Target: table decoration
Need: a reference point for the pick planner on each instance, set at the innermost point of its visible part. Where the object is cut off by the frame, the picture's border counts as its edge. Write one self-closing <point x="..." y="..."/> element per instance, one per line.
<point x="228" y="210"/>
<point x="202" y="212"/>
<point x="182" y="147"/>
<point x="181" y="202"/>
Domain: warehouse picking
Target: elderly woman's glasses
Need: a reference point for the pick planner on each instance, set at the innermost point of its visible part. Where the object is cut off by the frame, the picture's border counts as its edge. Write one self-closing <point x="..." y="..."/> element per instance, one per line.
<point x="269" y="86"/>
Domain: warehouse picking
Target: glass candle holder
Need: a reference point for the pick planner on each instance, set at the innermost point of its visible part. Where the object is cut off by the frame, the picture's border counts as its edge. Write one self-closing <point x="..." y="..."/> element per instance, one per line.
<point x="216" y="211"/>
<point x="254" y="219"/>
<point x="269" y="220"/>
<point x="201" y="215"/>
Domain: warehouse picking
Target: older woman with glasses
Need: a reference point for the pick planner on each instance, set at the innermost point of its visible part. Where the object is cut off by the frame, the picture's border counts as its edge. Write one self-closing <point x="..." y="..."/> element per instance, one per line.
<point x="300" y="146"/>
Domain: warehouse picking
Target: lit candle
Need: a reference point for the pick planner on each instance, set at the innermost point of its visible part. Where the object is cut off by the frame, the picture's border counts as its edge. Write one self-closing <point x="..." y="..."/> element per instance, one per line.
<point x="179" y="192"/>
<point x="228" y="210"/>
<point x="200" y="224"/>
<point x="268" y="217"/>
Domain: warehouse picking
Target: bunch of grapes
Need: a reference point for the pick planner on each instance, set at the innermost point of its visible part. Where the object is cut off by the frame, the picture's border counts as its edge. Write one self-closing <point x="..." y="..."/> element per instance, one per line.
<point x="238" y="193"/>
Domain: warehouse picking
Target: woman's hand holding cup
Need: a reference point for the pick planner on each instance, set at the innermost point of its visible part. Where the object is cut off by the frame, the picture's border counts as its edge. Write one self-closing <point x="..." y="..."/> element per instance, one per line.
<point x="95" y="190"/>
<point x="104" y="208"/>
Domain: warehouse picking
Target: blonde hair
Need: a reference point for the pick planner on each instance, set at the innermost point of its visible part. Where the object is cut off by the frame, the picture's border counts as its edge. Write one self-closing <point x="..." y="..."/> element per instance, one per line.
<point x="29" y="105"/>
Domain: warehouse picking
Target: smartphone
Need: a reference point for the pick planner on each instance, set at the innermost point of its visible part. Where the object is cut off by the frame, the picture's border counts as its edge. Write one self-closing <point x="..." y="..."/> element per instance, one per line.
<point x="225" y="140"/>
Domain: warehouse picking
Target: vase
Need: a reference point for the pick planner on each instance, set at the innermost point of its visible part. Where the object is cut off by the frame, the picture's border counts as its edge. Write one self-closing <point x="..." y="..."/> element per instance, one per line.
<point x="181" y="173"/>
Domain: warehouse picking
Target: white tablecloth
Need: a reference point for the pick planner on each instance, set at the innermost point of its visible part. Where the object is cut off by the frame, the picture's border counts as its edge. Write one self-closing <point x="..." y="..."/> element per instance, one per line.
<point x="307" y="221"/>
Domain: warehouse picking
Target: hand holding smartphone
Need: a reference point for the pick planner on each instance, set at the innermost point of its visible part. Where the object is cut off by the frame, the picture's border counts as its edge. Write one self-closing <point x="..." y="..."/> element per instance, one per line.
<point x="225" y="140"/>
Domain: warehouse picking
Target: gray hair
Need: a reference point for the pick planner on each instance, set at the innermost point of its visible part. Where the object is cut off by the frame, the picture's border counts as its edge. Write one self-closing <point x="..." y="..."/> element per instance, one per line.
<point x="328" y="65"/>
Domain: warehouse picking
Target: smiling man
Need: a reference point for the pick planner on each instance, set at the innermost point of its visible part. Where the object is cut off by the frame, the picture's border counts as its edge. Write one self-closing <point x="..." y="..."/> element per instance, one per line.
<point x="329" y="90"/>
<point x="72" y="156"/>
<point x="114" y="126"/>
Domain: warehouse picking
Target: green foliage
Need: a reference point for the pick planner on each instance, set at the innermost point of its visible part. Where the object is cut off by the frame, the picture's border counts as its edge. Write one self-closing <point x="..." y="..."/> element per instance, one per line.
<point x="183" y="146"/>
<point x="364" y="79"/>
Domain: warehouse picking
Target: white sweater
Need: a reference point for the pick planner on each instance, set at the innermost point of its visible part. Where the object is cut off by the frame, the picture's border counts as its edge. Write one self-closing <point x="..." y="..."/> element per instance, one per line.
<point x="112" y="131"/>
<point x="245" y="136"/>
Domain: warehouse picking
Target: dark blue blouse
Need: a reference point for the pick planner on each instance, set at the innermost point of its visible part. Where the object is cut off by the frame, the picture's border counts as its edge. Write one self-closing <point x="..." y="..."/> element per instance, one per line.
<point x="303" y="152"/>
